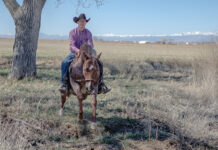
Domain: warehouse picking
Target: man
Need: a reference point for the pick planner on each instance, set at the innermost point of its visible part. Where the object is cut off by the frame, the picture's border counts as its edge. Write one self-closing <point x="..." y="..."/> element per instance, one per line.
<point x="77" y="37"/>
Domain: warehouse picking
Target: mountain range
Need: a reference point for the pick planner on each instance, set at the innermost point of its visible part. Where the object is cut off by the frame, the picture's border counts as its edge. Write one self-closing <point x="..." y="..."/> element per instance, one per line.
<point x="188" y="37"/>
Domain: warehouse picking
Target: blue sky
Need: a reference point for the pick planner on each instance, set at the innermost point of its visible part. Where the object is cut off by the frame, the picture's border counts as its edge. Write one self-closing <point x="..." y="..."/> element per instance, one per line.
<point x="125" y="17"/>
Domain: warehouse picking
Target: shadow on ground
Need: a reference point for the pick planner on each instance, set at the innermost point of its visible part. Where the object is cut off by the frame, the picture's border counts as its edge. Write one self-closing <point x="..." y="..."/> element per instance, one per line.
<point x="119" y="129"/>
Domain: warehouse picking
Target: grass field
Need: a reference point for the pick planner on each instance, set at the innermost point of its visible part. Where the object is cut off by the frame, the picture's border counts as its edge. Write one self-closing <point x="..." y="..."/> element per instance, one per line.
<point x="163" y="97"/>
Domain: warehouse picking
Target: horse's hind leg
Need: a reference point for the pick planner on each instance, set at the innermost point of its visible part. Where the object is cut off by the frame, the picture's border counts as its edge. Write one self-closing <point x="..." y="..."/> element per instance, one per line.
<point x="63" y="100"/>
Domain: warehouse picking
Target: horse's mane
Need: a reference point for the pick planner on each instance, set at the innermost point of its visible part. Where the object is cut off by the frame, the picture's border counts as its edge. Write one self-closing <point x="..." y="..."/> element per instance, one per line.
<point x="84" y="48"/>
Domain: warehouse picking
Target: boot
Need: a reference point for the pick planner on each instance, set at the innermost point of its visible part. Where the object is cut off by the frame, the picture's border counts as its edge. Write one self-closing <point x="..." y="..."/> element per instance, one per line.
<point x="65" y="85"/>
<point x="103" y="88"/>
<point x="63" y="88"/>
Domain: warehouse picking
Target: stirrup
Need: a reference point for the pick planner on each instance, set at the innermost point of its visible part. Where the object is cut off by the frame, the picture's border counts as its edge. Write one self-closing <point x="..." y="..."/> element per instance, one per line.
<point x="63" y="88"/>
<point x="104" y="89"/>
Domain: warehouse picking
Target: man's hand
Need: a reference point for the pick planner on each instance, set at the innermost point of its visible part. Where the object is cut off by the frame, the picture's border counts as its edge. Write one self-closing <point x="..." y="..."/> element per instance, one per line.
<point x="77" y="54"/>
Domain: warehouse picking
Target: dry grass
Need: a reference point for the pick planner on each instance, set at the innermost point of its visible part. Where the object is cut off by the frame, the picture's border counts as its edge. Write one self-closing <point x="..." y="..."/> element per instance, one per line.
<point x="118" y="51"/>
<point x="163" y="97"/>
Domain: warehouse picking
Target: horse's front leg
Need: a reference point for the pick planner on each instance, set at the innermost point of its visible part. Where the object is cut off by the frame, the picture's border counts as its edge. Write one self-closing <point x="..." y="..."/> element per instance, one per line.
<point x="77" y="89"/>
<point x="94" y="104"/>
<point x="80" y="98"/>
<point x="80" y="115"/>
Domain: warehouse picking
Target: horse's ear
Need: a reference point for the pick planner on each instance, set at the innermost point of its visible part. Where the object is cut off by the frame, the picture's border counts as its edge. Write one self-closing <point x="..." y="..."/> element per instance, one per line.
<point x="99" y="55"/>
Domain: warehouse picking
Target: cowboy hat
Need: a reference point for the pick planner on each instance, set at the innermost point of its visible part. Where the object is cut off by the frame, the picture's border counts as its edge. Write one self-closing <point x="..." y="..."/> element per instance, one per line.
<point x="81" y="16"/>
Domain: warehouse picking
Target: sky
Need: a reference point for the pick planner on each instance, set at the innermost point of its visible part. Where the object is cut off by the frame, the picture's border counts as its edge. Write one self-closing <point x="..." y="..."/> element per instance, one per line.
<point x="124" y="17"/>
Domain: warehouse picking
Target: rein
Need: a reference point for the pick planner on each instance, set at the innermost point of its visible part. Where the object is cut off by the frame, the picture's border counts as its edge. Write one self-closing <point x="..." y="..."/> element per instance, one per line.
<point x="88" y="80"/>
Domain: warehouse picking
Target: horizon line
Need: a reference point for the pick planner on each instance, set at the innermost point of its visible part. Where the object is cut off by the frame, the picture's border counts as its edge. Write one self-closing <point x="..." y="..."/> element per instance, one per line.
<point x="132" y="35"/>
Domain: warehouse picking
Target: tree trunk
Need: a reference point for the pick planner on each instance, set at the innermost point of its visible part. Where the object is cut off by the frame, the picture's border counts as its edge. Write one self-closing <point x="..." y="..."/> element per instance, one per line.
<point x="27" y="21"/>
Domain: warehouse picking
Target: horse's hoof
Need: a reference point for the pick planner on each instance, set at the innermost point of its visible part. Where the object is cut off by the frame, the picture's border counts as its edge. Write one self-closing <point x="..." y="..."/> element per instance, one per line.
<point x="93" y="125"/>
<point x="61" y="112"/>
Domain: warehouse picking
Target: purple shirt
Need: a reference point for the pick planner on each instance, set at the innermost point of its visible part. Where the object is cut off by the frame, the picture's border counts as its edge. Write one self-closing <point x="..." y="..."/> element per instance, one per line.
<point x="77" y="38"/>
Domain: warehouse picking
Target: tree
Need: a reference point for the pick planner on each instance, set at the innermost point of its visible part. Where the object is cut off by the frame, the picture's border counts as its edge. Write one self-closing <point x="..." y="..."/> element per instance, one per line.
<point x="27" y="20"/>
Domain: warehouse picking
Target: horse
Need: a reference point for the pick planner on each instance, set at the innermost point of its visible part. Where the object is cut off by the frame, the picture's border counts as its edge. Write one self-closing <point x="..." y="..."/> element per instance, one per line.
<point x="84" y="75"/>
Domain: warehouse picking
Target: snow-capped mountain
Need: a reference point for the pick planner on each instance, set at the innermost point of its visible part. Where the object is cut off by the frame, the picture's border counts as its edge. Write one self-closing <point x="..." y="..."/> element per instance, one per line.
<point x="187" y="37"/>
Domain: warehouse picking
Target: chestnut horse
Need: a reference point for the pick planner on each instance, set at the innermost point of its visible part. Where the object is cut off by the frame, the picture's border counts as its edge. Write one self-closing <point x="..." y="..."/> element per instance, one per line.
<point x="84" y="76"/>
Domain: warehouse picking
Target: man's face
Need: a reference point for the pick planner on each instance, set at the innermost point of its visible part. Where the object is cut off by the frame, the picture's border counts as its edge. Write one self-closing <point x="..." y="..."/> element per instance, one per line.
<point x="81" y="24"/>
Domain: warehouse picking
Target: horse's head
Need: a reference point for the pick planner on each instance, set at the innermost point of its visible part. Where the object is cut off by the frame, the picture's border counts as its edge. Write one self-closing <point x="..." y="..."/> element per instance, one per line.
<point x="91" y="72"/>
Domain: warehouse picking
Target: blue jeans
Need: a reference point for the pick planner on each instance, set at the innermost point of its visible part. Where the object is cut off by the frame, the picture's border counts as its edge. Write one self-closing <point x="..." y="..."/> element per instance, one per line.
<point x="65" y="65"/>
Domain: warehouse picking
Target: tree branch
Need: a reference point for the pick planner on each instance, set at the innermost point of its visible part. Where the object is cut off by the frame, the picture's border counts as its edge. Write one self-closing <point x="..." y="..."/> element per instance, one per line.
<point x="12" y="6"/>
<point x="36" y="3"/>
<point x="43" y="3"/>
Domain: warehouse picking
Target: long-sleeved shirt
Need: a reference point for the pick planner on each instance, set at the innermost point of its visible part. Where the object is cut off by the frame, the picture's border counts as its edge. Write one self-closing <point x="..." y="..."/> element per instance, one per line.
<point x="77" y="38"/>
